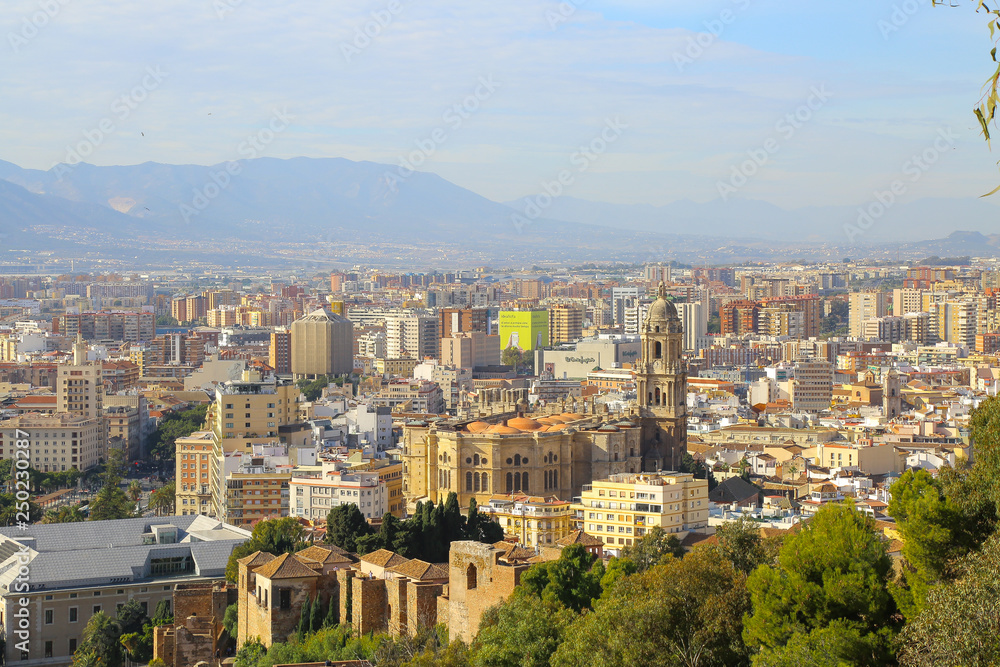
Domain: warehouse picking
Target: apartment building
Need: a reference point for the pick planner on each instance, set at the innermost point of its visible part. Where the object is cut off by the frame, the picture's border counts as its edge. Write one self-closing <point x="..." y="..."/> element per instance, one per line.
<point x="565" y="323"/>
<point x="279" y="353"/>
<point x="812" y="388"/>
<point x="193" y="478"/>
<point x="315" y="495"/>
<point x="471" y="349"/>
<point x="257" y="487"/>
<point x="626" y="506"/>
<point x="534" y="521"/>
<point x="413" y="335"/>
<point x="865" y="306"/>
<point x="56" y="442"/>
<point x="415" y="395"/>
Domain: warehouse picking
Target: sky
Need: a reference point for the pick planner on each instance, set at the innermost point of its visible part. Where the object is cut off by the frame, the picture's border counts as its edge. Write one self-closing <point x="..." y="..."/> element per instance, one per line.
<point x="796" y="104"/>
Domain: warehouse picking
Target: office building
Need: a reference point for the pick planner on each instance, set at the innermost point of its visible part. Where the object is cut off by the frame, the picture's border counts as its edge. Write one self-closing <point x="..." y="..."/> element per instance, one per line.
<point x="322" y="344"/>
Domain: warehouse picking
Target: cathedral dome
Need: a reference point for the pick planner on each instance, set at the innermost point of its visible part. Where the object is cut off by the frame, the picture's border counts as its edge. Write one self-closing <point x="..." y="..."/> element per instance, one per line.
<point x="660" y="310"/>
<point x="524" y="424"/>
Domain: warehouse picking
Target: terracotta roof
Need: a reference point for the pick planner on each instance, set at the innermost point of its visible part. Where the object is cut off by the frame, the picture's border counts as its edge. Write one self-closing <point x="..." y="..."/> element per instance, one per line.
<point x="286" y="566"/>
<point x="384" y="558"/>
<point x="579" y="537"/>
<point x="420" y="570"/>
<point x="323" y="555"/>
<point x="256" y="559"/>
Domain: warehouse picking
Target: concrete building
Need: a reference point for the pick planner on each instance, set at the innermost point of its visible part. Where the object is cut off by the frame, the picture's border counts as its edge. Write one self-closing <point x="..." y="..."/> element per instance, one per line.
<point x="623" y="508"/>
<point x="322" y="344"/>
<point x="411" y="334"/>
<point x="812" y="388"/>
<point x="694" y="322"/>
<point x="313" y="497"/>
<point x="534" y="521"/>
<point x="74" y="574"/>
<point x="411" y="396"/>
<point x="471" y="350"/>
<point x="193" y="462"/>
<point x="56" y="442"/>
<point x="256" y="486"/>
<point x="565" y="323"/>
<point x="279" y="353"/>
<point x="865" y="306"/>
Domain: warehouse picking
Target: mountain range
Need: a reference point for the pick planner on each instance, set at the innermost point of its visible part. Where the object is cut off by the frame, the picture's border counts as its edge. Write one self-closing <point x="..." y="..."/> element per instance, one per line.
<point x="329" y="200"/>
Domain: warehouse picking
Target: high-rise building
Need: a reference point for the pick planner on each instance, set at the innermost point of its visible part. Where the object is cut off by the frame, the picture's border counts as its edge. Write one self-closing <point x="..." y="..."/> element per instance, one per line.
<point x="565" y="323"/>
<point x="80" y="385"/>
<point x="193" y="478"/>
<point x="694" y="322"/>
<point x="623" y="298"/>
<point x="812" y="388"/>
<point x="470" y="350"/>
<point x="739" y="317"/>
<point x="954" y="322"/>
<point x="411" y="334"/>
<point x="865" y="306"/>
<point x="322" y="344"/>
<point x="279" y="354"/>
<point x="906" y="300"/>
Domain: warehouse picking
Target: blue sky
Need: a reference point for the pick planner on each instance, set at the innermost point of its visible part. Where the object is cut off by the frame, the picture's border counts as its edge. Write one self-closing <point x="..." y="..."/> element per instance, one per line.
<point x="556" y="75"/>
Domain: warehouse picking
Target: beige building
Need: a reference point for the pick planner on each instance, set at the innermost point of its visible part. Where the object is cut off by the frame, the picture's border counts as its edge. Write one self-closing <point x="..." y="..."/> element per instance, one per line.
<point x="469" y="349"/>
<point x="623" y="508"/>
<point x="565" y="323"/>
<point x="193" y="479"/>
<point x="411" y="334"/>
<point x="313" y="497"/>
<point x="56" y="442"/>
<point x="865" y="306"/>
<point x="812" y="388"/>
<point x="322" y="344"/>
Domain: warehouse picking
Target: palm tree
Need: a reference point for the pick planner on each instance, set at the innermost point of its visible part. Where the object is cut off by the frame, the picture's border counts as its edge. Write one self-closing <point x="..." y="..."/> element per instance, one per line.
<point x="162" y="500"/>
<point x="134" y="490"/>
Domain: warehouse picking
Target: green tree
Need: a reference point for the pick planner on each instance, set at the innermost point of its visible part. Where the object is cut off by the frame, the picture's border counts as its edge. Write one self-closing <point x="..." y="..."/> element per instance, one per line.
<point x="305" y="617"/>
<point x="572" y="581"/>
<point x="275" y="536"/>
<point x="835" y="569"/>
<point x="162" y="614"/>
<point x="960" y="622"/>
<point x="618" y="569"/>
<point x="111" y="501"/>
<point x="316" y="616"/>
<point x="131" y="617"/>
<point x="344" y="525"/>
<point x="100" y="639"/>
<point x="332" y="613"/>
<point x="984" y="425"/>
<point x="480" y="527"/>
<point x="163" y="499"/>
<point x="740" y="543"/>
<point x="652" y="548"/>
<point x="683" y="612"/>
<point x="837" y="645"/>
<point x="231" y="619"/>
<point x="521" y="632"/>
<point x="134" y="490"/>
<point x="250" y="654"/>
<point x="175" y="425"/>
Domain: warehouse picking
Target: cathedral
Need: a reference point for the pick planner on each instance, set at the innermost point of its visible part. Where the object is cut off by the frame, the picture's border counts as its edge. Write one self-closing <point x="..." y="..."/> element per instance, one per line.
<point x="558" y="448"/>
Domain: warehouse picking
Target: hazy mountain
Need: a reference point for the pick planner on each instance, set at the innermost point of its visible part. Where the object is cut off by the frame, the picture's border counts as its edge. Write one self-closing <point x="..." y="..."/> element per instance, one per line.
<point x="843" y="225"/>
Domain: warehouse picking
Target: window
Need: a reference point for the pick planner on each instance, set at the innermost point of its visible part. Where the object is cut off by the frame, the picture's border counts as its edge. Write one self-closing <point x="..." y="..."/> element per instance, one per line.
<point x="285" y="598"/>
<point x="73" y="614"/>
<point x="49" y="616"/>
<point x="97" y="608"/>
<point x="471" y="577"/>
<point x="72" y="645"/>
<point x="48" y="649"/>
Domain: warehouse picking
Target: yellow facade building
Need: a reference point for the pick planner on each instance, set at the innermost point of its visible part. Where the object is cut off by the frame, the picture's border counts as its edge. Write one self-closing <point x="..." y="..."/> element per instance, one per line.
<point x="624" y="507"/>
<point x="193" y="463"/>
<point x="533" y="521"/>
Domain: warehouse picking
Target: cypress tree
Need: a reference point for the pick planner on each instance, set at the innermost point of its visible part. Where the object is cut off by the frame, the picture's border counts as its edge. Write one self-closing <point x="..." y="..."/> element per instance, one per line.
<point x="317" y="614"/>
<point x="304" y="618"/>
<point x="332" y="613"/>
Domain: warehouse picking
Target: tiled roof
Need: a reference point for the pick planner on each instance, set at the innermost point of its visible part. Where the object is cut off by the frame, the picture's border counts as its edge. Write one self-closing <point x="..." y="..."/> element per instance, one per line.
<point x="420" y="570"/>
<point x="324" y="555"/>
<point x="286" y="566"/>
<point x="256" y="559"/>
<point x="384" y="558"/>
<point x="579" y="537"/>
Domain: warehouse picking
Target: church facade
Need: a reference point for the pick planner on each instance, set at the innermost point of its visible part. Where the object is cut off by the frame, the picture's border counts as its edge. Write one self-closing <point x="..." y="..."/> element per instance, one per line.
<point x="555" y="451"/>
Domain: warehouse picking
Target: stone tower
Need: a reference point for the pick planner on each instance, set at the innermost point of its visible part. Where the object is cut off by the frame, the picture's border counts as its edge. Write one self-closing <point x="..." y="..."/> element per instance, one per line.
<point x="661" y="384"/>
<point x="892" y="397"/>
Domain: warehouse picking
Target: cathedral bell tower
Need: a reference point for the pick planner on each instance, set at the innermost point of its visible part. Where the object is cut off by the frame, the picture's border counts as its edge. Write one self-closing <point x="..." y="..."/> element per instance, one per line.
<point x="661" y="384"/>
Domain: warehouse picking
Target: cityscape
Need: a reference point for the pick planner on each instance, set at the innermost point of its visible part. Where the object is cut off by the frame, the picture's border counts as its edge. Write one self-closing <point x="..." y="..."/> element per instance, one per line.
<point x="452" y="335"/>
